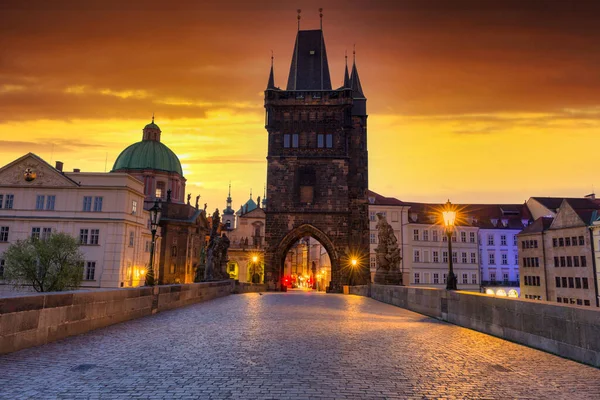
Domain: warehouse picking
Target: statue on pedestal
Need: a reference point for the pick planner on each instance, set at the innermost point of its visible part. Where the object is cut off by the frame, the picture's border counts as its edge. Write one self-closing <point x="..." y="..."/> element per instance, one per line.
<point x="387" y="254"/>
<point x="216" y="263"/>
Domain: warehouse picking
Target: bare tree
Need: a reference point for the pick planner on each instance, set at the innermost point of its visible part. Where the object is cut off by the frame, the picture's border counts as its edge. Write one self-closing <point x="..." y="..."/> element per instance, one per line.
<point x="48" y="265"/>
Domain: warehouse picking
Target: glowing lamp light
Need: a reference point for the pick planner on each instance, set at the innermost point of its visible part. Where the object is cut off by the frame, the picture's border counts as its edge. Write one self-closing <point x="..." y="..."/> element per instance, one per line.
<point x="489" y="291"/>
<point x="254" y="259"/>
<point x="142" y="272"/>
<point x="449" y="215"/>
<point x="501" y="292"/>
<point x="513" y="293"/>
<point x="354" y="262"/>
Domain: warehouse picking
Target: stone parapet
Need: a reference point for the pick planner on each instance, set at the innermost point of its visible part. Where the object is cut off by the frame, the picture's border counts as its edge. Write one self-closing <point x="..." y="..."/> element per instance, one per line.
<point x="245" y="287"/>
<point x="33" y="320"/>
<point x="569" y="331"/>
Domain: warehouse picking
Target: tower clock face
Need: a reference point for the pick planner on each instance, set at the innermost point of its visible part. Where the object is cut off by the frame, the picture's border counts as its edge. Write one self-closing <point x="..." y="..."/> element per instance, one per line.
<point x="29" y="174"/>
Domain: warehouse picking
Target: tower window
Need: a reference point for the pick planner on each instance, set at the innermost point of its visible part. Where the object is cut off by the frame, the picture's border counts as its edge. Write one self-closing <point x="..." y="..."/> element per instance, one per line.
<point x="320" y="140"/>
<point x="295" y="140"/>
<point x="286" y="140"/>
<point x="329" y="140"/>
<point x="307" y="180"/>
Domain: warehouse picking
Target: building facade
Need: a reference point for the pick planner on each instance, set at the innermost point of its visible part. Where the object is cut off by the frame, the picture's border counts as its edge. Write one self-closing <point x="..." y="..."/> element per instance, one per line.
<point x="184" y="227"/>
<point x="103" y="211"/>
<point x="317" y="165"/>
<point x="563" y="242"/>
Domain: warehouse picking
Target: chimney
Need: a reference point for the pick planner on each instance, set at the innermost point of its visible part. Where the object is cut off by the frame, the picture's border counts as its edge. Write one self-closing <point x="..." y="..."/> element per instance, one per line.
<point x="76" y="170"/>
<point x="59" y="166"/>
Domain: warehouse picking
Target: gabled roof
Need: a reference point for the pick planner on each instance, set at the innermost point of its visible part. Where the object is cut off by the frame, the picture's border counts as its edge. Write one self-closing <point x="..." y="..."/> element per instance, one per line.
<point x="379" y="200"/>
<point x="553" y="203"/>
<point x="309" y="69"/>
<point x="61" y="176"/>
<point x="539" y="225"/>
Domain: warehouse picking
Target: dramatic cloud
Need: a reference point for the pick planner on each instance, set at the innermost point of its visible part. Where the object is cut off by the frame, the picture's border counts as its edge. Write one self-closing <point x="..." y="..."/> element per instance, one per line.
<point x="476" y="100"/>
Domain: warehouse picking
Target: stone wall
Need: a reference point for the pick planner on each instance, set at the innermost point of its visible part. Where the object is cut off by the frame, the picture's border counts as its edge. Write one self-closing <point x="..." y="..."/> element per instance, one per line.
<point x="568" y="331"/>
<point x="32" y="320"/>
<point x="245" y="287"/>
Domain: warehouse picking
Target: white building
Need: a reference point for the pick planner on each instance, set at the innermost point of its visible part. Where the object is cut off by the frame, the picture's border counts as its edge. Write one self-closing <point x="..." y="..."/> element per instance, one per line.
<point x="103" y="210"/>
<point x="396" y="213"/>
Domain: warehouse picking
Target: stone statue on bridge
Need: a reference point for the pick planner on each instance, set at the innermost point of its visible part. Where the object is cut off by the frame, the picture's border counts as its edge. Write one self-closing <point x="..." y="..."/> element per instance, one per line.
<point x="387" y="254"/>
<point x="217" y="257"/>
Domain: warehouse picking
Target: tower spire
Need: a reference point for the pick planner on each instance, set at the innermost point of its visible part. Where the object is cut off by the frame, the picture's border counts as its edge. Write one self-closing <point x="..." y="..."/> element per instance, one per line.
<point x="299" y="11"/>
<point x="357" y="91"/>
<point x="153" y="117"/>
<point x="271" y="83"/>
<point x="321" y="17"/>
<point x="347" y="83"/>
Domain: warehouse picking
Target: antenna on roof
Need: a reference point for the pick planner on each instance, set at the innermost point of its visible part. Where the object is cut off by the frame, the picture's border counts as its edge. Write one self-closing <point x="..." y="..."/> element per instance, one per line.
<point x="321" y="17"/>
<point x="105" y="161"/>
<point x="299" y="11"/>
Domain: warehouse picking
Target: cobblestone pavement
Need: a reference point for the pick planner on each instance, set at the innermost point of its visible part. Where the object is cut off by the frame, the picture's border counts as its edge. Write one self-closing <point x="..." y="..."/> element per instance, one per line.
<point x="290" y="346"/>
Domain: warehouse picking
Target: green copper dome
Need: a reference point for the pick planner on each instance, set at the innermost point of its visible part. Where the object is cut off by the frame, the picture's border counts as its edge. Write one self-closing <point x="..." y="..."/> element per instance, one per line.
<point x="148" y="154"/>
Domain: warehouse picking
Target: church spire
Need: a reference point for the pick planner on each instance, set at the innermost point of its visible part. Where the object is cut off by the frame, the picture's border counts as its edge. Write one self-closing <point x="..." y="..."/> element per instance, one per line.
<point x="271" y="83"/>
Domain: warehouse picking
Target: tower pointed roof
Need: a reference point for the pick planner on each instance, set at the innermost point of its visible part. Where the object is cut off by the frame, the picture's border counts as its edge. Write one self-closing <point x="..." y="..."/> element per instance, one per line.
<point x="357" y="91"/>
<point x="271" y="83"/>
<point x="309" y="69"/>
<point x="347" y="82"/>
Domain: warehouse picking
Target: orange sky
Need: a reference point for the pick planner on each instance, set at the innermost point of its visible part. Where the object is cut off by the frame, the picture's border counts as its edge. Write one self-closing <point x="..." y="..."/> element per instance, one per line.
<point x="474" y="101"/>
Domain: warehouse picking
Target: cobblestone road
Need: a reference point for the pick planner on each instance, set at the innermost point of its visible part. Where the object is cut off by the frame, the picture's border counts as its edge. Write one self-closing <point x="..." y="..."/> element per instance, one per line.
<point x="290" y="346"/>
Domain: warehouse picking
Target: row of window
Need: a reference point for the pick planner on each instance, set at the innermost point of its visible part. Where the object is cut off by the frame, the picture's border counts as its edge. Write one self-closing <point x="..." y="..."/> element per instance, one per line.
<point x="417" y="236"/>
<point x="1" y="269"/>
<point x="7" y="200"/>
<point x="532" y="280"/>
<point x="529" y="244"/>
<point x="436" y="278"/>
<point x="40" y="233"/>
<point x="533" y="297"/>
<point x="531" y="261"/>
<point x="504" y="277"/>
<point x="503" y="240"/>
<point x="571" y="282"/>
<point x="436" y="257"/>
<point x="87" y="203"/>
<point x="567" y="300"/>
<point x="503" y="259"/>
<point x="89" y="236"/>
<point x="293" y="140"/>
<point x="570" y="261"/>
<point x="568" y="241"/>
<point x="45" y="202"/>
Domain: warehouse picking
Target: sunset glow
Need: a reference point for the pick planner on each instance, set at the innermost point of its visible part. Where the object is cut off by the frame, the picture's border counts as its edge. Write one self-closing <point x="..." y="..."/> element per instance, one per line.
<point x="473" y="101"/>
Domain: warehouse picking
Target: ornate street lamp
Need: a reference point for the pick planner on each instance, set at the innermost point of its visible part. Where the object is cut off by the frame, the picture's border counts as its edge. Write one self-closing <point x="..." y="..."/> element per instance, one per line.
<point x="449" y="216"/>
<point x="155" y="213"/>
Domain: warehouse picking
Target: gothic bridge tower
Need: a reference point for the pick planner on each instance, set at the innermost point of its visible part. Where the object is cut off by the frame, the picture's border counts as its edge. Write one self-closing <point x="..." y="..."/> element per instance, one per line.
<point x="317" y="173"/>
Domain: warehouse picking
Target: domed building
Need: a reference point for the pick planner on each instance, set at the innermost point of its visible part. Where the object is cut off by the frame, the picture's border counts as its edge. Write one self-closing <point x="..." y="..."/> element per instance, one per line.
<point x="155" y="165"/>
<point x="183" y="227"/>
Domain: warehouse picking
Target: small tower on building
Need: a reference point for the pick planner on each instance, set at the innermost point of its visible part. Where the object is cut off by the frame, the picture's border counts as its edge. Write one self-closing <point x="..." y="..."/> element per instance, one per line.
<point x="228" y="213"/>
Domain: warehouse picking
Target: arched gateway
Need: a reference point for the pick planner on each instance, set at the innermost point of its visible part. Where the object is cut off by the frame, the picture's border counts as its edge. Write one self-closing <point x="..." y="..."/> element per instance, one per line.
<point x="317" y="165"/>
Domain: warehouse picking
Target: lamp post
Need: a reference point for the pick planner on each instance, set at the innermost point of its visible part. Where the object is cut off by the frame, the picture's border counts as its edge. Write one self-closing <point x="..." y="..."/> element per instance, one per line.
<point x="449" y="215"/>
<point x="155" y="213"/>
